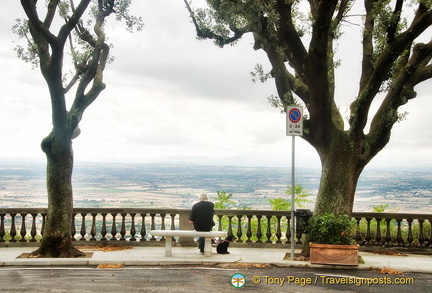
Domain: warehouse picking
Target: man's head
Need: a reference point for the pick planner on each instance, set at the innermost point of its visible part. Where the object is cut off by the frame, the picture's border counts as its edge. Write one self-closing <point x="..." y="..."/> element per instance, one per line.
<point x="203" y="197"/>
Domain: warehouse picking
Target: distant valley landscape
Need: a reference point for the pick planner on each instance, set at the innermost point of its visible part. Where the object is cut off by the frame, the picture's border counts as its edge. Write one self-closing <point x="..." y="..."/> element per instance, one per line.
<point x="22" y="184"/>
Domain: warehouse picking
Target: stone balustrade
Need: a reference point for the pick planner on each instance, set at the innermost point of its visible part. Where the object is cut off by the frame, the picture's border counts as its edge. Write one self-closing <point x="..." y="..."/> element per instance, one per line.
<point x="252" y="228"/>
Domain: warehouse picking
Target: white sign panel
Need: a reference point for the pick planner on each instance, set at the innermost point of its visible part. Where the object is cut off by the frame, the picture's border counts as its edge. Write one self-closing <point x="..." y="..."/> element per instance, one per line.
<point x="294" y="121"/>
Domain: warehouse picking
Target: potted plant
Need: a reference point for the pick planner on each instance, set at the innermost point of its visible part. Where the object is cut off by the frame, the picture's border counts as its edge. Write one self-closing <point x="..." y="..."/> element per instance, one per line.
<point x="331" y="240"/>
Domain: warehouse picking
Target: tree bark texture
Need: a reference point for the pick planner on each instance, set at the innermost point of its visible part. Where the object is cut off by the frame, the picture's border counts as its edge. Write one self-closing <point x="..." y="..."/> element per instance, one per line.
<point x="56" y="240"/>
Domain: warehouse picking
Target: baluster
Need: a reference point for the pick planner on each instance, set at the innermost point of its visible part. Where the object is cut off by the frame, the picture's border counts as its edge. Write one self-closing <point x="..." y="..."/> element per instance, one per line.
<point x="173" y="221"/>
<point x="388" y="240"/>
<point x="421" y="237"/>
<point x="399" y="239"/>
<point x="93" y="228"/>
<point x="430" y="234"/>
<point x="278" y="230"/>
<point x="73" y="229"/>
<point x="104" y="227"/>
<point x="83" y="227"/>
<point x="173" y="224"/>
<point x="298" y="232"/>
<point x="239" y="229"/>
<point x="33" y="231"/>
<point x="249" y="228"/>
<point x="368" y="232"/>
<point x="268" y="232"/>
<point x="143" y="227"/>
<point x="230" y="225"/>
<point x="358" y="237"/>
<point x="2" y="228"/>
<point x="163" y="224"/>
<point x="288" y="231"/>
<point x="410" y="238"/>
<point x="114" y="227"/>
<point x="132" y="231"/>
<point x="13" y="228"/>
<point x="123" y="227"/>
<point x="220" y="223"/>
<point x="378" y="237"/>
<point x="163" y="221"/>
<point x="152" y="226"/>
<point x="23" y="231"/>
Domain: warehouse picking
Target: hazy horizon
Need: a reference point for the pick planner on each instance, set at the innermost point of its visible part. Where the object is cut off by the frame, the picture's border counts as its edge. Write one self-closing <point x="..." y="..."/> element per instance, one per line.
<point x="169" y="185"/>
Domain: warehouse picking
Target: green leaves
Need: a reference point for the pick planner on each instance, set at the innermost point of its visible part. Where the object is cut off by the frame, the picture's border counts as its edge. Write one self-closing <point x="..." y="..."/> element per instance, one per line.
<point x="122" y="13"/>
<point x="284" y="204"/>
<point x="28" y="53"/>
<point x="331" y="229"/>
<point x="224" y="201"/>
<point x="259" y="74"/>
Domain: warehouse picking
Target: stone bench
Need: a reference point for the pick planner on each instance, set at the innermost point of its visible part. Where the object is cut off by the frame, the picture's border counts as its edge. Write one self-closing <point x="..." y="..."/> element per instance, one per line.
<point x="168" y="234"/>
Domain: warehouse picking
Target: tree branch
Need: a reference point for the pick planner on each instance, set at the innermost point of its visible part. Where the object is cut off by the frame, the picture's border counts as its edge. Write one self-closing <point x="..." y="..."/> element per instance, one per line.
<point x="368" y="48"/>
<point x="289" y="37"/>
<point x="52" y="7"/>
<point x="207" y="33"/>
<point x="343" y="9"/>
<point x="392" y="28"/>
<point x="400" y="92"/>
<point x="94" y="70"/>
<point x="371" y="81"/>
<point x="73" y="20"/>
<point x="424" y="71"/>
<point x="31" y="12"/>
<point x="318" y="65"/>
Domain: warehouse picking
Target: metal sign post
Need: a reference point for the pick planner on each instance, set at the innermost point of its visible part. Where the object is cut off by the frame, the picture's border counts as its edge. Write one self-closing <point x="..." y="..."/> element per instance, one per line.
<point x="294" y="127"/>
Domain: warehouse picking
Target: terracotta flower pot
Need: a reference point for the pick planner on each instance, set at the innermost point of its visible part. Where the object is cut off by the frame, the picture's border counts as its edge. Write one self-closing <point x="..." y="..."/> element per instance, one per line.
<point x="334" y="254"/>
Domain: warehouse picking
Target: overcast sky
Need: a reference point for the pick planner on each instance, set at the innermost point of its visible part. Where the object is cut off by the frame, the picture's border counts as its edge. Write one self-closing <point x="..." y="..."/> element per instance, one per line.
<point x="171" y="98"/>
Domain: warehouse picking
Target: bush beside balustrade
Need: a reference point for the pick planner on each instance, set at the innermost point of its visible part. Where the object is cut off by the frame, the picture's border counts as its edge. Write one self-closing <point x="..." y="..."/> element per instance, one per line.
<point x="257" y="228"/>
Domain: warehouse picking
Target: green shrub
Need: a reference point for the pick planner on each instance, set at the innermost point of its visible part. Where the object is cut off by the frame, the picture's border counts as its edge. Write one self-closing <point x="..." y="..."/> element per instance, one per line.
<point x="331" y="229"/>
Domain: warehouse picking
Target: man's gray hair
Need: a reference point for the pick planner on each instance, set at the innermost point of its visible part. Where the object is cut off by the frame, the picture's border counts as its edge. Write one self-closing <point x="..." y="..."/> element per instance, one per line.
<point x="203" y="196"/>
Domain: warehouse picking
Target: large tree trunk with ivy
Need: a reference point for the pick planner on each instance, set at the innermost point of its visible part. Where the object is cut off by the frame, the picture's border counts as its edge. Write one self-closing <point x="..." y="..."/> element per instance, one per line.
<point x="89" y="54"/>
<point x="339" y="176"/>
<point x="392" y="63"/>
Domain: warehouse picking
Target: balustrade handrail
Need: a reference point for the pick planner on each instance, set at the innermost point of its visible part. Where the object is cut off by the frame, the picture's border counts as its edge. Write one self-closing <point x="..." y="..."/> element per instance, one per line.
<point x="148" y="210"/>
<point x="391" y="215"/>
<point x="251" y="227"/>
<point x="217" y="212"/>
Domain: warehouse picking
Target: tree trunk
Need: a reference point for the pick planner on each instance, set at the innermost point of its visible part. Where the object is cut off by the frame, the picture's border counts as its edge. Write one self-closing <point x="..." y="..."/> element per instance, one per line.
<point x="341" y="168"/>
<point x="56" y="238"/>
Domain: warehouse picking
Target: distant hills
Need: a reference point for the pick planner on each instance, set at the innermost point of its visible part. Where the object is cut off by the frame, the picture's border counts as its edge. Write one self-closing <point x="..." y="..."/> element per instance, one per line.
<point x="22" y="183"/>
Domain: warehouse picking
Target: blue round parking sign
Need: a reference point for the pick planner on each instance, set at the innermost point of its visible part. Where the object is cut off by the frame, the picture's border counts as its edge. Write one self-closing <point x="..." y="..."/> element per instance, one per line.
<point x="294" y="115"/>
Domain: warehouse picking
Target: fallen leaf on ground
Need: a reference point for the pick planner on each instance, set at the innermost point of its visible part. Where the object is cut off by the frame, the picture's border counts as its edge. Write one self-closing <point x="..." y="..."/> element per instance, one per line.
<point x="389" y="252"/>
<point x="387" y="271"/>
<point x="104" y="248"/>
<point x="110" y="266"/>
<point x="247" y="265"/>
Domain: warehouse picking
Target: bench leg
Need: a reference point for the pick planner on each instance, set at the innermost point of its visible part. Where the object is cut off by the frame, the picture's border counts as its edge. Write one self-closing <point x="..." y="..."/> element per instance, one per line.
<point x="207" y="247"/>
<point x="168" y="246"/>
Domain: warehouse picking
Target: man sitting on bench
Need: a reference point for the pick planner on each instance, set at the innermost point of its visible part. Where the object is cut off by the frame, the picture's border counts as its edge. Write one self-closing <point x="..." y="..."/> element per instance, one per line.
<point x="201" y="217"/>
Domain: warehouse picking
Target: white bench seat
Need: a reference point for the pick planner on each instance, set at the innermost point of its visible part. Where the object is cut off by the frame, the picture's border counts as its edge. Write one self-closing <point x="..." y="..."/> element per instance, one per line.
<point x="168" y="234"/>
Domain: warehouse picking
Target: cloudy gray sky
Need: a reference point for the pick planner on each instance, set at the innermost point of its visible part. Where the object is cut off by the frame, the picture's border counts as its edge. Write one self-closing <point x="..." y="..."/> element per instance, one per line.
<point x="172" y="98"/>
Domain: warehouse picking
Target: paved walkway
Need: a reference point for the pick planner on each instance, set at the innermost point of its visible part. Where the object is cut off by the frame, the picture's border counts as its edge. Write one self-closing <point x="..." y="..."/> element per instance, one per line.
<point x="154" y="256"/>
